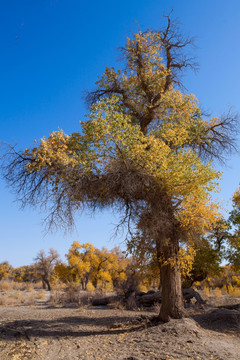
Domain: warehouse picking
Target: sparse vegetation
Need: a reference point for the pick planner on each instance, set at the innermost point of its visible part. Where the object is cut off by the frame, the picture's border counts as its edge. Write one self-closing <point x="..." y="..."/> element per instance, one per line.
<point x="90" y="273"/>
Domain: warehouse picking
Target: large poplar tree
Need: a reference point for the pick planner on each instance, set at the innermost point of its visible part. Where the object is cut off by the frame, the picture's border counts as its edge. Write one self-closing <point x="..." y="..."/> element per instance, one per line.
<point x="145" y="150"/>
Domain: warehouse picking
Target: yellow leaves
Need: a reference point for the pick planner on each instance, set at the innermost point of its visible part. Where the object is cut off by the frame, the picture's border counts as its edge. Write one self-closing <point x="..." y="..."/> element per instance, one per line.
<point x="200" y="214"/>
<point x="236" y="198"/>
<point x="147" y="44"/>
<point x="90" y="287"/>
<point x="164" y="153"/>
<point x="180" y="170"/>
<point x="186" y="257"/>
<point x="144" y="59"/>
<point x="62" y="272"/>
<point x="104" y="275"/>
<point x="53" y="149"/>
<point x="80" y="257"/>
<point x="5" y="270"/>
<point x="122" y="276"/>
<point x="170" y="261"/>
<point x="94" y="267"/>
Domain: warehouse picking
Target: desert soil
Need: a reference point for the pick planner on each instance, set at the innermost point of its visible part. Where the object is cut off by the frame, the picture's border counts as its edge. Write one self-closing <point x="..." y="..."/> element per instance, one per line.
<point x="41" y="332"/>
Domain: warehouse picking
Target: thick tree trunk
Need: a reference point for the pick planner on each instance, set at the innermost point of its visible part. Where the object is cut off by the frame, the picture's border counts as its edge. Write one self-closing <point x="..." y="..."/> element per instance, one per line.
<point x="172" y="300"/>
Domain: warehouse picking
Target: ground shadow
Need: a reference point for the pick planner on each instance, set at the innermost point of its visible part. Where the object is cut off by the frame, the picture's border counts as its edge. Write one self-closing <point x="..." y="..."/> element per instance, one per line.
<point x="68" y="327"/>
<point x="220" y="320"/>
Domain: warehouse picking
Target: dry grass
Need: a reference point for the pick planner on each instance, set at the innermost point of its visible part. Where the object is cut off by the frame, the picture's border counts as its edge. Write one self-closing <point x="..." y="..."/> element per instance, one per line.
<point x="221" y="296"/>
<point x="6" y="285"/>
<point x="18" y="297"/>
<point x="56" y="298"/>
<point x="70" y="295"/>
<point x="5" y="300"/>
<point x="42" y="294"/>
<point x="236" y="292"/>
<point x="20" y="293"/>
<point x="217" y="293"/>
<point x="10" y="285"/>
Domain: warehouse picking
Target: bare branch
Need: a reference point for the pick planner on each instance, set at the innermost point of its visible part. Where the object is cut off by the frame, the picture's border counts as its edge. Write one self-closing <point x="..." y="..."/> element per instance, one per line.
<point x="220" y="139"/>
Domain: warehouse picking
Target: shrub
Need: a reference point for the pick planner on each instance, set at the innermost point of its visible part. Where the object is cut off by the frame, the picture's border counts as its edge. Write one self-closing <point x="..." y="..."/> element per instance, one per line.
<point x="71" y="294"/>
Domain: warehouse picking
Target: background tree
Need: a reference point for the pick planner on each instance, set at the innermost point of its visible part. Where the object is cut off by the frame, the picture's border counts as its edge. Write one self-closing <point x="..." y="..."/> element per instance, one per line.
<point x="142" y="151"/>
<point x="120" y="265"/>
<point x="81" y="259"/>
<point x="209" y="253"/>
<point x="25" y="273"/>
<point x="233" y="251"/>
<point x="206" y="262"/>
<point x="6" y="270"/>
<point x="109" y="269"/>
<point x="63" y="272"/>
<point x="102" y="268"/>
<point x="44" y="265"/>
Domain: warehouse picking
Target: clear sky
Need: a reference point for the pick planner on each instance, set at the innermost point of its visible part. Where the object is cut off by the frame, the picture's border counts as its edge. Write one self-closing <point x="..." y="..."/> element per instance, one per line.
<point x="53" y="50"/>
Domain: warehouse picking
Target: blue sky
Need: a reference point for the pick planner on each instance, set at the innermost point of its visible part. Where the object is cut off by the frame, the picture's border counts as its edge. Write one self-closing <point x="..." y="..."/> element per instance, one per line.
<point x="53" y="50"/>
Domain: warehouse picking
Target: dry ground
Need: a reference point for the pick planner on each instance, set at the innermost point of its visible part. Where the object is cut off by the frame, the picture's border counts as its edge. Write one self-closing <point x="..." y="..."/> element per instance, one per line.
<point x="41" y="332"/>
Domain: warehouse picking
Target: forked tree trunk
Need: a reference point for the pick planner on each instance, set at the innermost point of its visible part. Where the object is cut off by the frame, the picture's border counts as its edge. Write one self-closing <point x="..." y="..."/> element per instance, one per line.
<point x="172" y="300"/>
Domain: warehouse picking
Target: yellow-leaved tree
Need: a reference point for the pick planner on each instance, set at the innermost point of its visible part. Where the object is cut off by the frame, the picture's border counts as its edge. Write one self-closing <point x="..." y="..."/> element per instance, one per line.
<point x="145" y="148"/>
<point x="6" y="270"/>
<point x="81" y="259"/>
<point x="233" y="252"/>
<point x="89" y="265"/>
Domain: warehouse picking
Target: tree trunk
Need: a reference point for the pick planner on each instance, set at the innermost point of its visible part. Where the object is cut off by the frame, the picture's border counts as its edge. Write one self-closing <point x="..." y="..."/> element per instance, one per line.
<point x="172" y="300"/>
<point x="48" y="284"/>
<point x="43" y="284"/>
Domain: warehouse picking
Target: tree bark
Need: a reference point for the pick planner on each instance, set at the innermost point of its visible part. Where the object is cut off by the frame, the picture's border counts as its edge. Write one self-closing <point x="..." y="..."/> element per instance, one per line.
<point x="105" y="300"/>
<point x="150" y="298"/>
<point x="190" y="293"/>
<point x="46" y="281"/>
<point x="172" y="299"/>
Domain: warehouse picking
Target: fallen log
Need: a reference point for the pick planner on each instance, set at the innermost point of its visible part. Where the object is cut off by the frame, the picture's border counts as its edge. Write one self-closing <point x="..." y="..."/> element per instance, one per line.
<point x="147" y="299"/>
<point x="104" y="301"/>
<point x="190" y="293"/>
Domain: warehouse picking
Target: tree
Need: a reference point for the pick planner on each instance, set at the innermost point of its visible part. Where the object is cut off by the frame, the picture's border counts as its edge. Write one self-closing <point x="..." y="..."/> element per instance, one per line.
<point x="233" y="252"/>
<point x="25" y="273"/>
<point x="209" y="253"/>
<point x="206" y="263"/>
<point x="6" y="270"/>
<point x="45" y="266"/>
<point x="88" y="264"/>
<point x="143" y="150"/>
<point x="81" y="259"/>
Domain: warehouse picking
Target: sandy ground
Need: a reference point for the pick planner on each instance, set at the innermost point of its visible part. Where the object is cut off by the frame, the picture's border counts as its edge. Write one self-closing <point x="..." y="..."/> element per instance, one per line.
<point x="39" y="332"/>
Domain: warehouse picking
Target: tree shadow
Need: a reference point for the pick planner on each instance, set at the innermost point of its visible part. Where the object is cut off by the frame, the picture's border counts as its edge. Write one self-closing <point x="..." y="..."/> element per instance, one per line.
<point x="220" y="320"/>
<point x="63" y="327"/>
